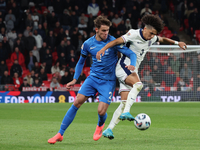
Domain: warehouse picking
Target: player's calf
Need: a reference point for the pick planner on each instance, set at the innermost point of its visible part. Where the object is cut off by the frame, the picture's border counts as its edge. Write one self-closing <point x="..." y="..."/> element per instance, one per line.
<point x="137" y="87"/>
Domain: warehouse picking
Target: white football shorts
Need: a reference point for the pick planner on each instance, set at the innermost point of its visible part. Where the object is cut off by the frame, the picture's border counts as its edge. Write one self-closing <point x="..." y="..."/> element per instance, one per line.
<point x="122" y="73"/>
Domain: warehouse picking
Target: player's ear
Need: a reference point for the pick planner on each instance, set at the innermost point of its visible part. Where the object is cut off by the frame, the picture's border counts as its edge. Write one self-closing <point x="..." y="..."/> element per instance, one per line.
<point x="96" y="29"/>
<point x="144" y="29"/>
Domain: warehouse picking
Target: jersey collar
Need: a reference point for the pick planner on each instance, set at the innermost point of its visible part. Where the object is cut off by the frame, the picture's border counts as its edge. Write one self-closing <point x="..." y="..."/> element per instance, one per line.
<point x="100" y="41"/>
<point x="142" y="34"/>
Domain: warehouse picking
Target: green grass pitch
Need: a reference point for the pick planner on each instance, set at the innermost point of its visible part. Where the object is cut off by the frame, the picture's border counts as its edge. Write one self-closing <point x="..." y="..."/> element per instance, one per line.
<point x="175" y="126"/>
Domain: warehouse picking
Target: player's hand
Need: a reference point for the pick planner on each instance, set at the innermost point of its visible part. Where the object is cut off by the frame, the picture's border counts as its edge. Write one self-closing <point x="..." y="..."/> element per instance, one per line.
<point x="130" y="67"/>
<point x="182" y="45"/>
<point x="99" y="54"/>
<point x="70" y="84"/>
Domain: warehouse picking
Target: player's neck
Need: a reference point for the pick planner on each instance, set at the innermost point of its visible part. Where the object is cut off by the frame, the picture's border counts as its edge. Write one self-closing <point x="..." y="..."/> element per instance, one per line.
<point x="98" y="38"/>
<point x="143" y="34"/>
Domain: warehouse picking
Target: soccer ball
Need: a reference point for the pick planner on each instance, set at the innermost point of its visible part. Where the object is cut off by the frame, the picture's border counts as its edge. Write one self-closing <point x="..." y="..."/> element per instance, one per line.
<point x="142" y="121"/>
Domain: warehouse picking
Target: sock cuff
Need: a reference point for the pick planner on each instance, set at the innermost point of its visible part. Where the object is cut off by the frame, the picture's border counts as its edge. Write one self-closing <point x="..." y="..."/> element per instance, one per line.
<point x="103" y="115"/>
<point x="101" y="119"/>
<point x="137" y="83"/>
<point x="74" y="107"/>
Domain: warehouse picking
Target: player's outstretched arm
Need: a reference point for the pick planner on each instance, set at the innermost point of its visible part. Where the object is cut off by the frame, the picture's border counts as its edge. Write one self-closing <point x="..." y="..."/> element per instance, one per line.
<point x="129" y="53"/>
<point x="165" y="40"/>
<point x="78" y="69"/>
<point x="109" y="45"/>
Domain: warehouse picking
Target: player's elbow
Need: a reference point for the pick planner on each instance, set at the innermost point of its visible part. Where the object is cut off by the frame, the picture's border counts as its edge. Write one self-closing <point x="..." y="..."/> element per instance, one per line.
<point x="81" y="61"/>
<point x="134" y="55"/>
<point x="119" y="41"/>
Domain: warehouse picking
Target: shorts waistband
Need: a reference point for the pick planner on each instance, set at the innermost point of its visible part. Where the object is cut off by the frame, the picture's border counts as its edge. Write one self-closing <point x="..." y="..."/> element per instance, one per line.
<point x="101" y="78"/>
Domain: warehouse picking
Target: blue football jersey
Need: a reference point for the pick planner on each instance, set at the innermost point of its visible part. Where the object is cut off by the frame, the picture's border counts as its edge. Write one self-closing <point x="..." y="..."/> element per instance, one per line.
<point x="105" y="67"/>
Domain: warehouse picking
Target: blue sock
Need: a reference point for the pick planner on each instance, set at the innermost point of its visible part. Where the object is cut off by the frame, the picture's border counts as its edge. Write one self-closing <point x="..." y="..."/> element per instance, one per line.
<point x="101" y="120"/>
<point x="67" y="120"/>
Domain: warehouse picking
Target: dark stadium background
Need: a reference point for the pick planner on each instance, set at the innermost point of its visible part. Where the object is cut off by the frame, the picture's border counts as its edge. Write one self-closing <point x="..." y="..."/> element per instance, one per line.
<point x="53" y="31"/>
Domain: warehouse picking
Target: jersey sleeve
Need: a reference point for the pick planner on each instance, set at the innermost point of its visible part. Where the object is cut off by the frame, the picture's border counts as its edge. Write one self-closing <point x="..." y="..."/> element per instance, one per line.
<point x="129" y="36"/>
<point x="79" y="67"/>
<point x="129" y="53"/>
<point x="84" y="49"/>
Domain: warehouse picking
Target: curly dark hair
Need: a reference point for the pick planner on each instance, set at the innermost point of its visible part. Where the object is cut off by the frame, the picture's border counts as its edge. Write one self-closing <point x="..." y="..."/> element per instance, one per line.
<point x="100" y="20"/>
<point x="154" y="21"/>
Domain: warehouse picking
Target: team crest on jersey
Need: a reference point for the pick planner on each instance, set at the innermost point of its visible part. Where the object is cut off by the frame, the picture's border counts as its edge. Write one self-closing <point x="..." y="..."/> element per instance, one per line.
<point x="82" y="46"/>
<point x="149" y="43"/>
<point x="107" y="52"/>
<point x="128" y="34"/>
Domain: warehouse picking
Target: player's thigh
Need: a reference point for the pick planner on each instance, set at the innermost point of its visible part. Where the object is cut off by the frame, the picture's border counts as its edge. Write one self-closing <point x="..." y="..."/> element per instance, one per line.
<point x="80" y="99"/>
<point x="124" y="95"/>
<point x="123" y="87"/>
<point x="123" y="73"/>
<point x="106" y="89"/>
<point x="88" y="88"/>
<point x="102" y="108"/>
<point x="132" y="79"/>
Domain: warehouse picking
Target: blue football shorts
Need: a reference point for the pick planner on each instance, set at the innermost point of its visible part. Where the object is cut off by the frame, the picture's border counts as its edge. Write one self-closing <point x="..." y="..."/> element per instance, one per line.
<point x="92" y="85"/>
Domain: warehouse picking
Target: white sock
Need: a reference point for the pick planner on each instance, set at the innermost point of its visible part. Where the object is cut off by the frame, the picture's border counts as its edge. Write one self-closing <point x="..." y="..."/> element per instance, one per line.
<point x="114" y="121"/>
<point x="132" y="96"/>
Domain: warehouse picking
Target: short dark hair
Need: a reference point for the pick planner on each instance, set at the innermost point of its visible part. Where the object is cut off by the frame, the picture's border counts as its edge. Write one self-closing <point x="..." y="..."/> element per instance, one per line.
<point x="100" y="20"/>
<point x="154" y="21"/>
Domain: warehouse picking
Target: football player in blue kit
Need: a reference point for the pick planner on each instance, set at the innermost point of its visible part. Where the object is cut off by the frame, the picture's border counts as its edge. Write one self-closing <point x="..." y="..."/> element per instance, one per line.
<point x="102" y="77"/>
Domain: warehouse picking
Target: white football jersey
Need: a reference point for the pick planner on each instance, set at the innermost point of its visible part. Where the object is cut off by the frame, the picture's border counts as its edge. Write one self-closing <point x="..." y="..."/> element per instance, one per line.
<point x="138" y="44"/>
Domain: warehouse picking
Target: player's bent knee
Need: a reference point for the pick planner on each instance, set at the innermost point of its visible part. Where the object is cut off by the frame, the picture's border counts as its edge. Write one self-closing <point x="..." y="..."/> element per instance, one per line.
<point x="138" y="85"/>
<point x="77" y="104"/>
<point x="80" y="99"/>
<point x="101" y="112"/>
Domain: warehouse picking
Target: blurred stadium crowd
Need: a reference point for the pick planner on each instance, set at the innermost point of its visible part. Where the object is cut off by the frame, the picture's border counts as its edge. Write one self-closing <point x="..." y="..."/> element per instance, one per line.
<point x="40" y="40"/>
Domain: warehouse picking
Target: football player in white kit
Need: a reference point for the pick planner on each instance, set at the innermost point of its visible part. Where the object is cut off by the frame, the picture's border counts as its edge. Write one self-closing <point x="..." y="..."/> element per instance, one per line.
<point x="130" y="84"/>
